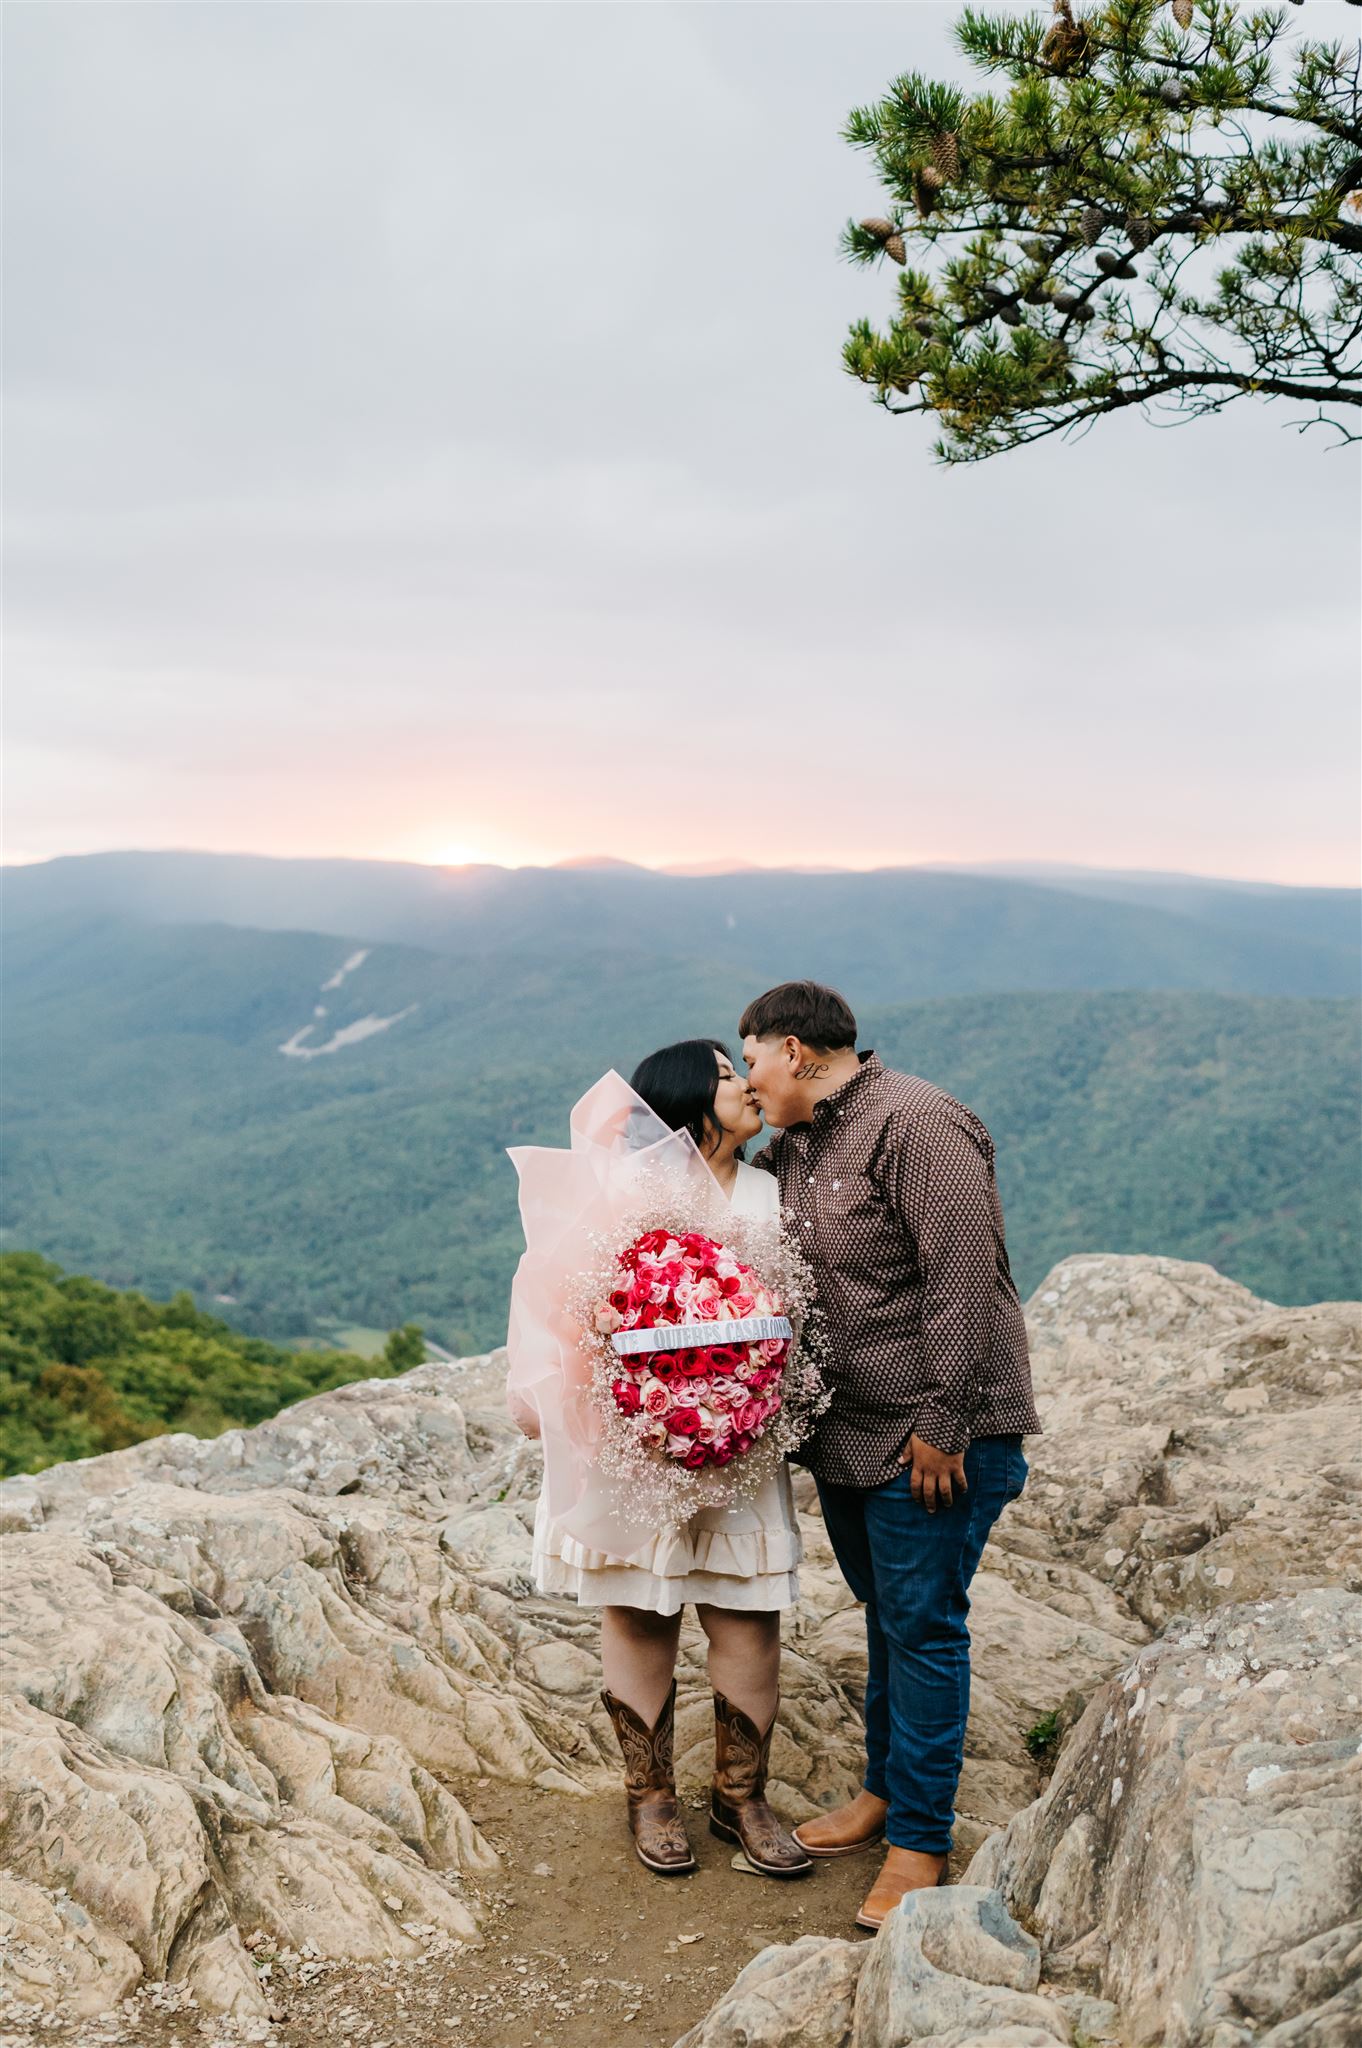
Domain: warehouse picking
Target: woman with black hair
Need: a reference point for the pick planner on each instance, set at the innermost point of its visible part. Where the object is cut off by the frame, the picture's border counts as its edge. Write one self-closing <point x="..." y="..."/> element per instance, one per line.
<point x="737" y="1565"/>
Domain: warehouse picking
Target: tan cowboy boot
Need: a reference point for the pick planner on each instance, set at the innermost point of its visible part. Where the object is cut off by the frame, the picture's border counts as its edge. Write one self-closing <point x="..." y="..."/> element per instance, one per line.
<point x="650" y="1786"/>
<point x="905" y="1870"/>
<point x="847" y="1830"/>
<point x="738" y="1811"/>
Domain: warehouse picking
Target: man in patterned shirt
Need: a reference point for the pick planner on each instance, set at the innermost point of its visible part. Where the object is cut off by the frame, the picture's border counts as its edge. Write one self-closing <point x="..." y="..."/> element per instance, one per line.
<point x="888" y="1185"/>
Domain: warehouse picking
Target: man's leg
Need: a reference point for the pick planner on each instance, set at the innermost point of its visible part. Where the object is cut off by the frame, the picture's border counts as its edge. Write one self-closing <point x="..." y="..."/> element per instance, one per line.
<point x="923" y="1566"/>
<point x="861" y="1824"/>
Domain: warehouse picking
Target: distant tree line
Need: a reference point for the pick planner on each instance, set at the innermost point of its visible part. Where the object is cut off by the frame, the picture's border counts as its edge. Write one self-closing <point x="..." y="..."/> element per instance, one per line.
<point x="85" y="1368"/>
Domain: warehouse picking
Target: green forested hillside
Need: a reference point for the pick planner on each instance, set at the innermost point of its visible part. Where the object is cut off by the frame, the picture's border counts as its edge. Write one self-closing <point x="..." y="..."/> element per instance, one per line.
<point x="84" y="1369"/>
<point x="158" y="1136"/>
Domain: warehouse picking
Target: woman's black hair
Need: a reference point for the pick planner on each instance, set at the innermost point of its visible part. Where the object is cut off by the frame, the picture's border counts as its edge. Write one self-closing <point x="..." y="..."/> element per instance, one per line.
<point x="679" y="1084"/>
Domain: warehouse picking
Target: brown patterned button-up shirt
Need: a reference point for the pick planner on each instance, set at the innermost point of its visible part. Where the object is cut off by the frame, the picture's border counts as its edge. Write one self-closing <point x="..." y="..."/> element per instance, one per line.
<point x="890" y="1190"/>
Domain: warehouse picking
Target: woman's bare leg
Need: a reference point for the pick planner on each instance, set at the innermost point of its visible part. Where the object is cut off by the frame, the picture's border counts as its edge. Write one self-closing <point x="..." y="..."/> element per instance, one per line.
<point x="744" y="1659"/>
<point x="638" y="1657"/>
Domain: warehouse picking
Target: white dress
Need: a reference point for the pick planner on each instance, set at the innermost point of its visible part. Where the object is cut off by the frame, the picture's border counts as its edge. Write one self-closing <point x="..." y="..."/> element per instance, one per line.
<point x="745" y="1556"/>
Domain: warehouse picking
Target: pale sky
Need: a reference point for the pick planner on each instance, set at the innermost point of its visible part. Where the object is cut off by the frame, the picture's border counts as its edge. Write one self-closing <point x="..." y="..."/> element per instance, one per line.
<point x="427" y="439"/>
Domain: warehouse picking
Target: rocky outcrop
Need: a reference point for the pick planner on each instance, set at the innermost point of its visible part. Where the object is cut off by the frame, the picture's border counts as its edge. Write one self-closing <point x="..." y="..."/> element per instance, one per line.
<point x="949" y="1967"/>
<point x="243" y="1682"/>
<point x="1198" y="1854"/>
<point x="1193" y="1863"/>
<point x="249" y="1684"/>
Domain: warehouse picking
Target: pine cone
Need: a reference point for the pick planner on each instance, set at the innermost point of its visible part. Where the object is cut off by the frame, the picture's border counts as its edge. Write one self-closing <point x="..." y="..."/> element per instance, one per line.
<point x="1172" y="92"/>
<point x="880" y="229"/>
<point x="1140" y="228"/>
<point x="1066" y="43"/>
<point x="1091" y="222"/>
<point x="945" y="148"/>
<point x="1037" y="294"/>
<point x="925" y="324"/>
<point x="1010" y="314"/>
<point x="926" y="185"/>
<point x="1182" y="13"/>
<point x="1084" y="312"/>
<point x="895" y="250"/>
<point x="1106" y="262"/>
<point x="1068" y="302"/>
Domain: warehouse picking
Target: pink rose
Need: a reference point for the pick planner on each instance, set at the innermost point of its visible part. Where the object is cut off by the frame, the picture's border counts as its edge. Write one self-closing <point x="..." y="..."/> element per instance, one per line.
<point x="656" y="1398"/>
<point x="740" y="1304"/>
<point x="773" y="1348"/>
<point x="749" y="1417"/>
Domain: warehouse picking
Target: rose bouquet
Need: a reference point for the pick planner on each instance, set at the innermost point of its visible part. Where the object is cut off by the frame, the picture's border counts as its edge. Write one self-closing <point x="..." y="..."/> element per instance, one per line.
<point x="703" y="1360"/>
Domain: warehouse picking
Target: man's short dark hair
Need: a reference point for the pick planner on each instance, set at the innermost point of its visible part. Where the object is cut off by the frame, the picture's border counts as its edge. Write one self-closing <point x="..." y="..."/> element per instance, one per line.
<point x="818" y="1017"/>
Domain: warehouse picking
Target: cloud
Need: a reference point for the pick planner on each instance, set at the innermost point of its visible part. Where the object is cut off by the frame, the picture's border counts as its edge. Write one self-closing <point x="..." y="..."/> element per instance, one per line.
<point x="447" y="401"/>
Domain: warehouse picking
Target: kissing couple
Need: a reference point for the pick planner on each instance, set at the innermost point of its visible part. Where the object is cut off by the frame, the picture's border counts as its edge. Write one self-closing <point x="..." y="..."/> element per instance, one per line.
<point x="665" y="1474"/>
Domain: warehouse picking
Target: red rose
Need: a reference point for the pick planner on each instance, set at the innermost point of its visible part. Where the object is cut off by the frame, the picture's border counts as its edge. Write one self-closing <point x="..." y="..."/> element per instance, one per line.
<point x="724" y="1357"/>
<point x="722" y="1453"/>
<point x="627" y="1397"/>
<point x="621" y="1300"/>
<point x="685" y="1422"/>
<point x="694" y="1364"/>
<point x="695" y="1457"/>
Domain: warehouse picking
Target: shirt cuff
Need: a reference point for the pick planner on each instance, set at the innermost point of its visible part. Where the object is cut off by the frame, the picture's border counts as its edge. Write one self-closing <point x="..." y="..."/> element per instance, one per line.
<point x="943" y="1429"/>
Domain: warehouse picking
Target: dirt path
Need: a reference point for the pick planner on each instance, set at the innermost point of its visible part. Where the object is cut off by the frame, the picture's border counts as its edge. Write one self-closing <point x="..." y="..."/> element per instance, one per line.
<point x="589" y="1948"/>
<point x="584" y="1949"/>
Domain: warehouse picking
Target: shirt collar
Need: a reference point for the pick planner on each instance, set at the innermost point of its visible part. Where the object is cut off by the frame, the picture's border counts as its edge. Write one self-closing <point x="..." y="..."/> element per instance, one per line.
<point x="850" y="1097"/>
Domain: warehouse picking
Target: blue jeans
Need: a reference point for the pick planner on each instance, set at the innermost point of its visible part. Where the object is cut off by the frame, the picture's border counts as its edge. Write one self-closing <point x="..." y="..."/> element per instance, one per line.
<point x="912" y="1569"/>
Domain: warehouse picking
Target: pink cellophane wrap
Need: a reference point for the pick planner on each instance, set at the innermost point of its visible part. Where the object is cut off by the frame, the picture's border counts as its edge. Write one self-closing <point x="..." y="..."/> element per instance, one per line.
<point x="570" y="1202"/>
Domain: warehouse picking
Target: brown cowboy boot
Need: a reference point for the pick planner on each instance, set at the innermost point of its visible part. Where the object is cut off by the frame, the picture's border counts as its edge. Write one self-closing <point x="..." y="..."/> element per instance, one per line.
<point x="847" y="1830"/>
<point x="904" y="1871"/>
<point x="650" y="1787"/>
<point x="737" y="1805"/>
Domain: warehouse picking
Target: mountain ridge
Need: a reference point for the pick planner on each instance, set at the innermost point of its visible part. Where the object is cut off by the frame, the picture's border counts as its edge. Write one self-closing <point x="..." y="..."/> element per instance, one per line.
<point x="887" y="935"/>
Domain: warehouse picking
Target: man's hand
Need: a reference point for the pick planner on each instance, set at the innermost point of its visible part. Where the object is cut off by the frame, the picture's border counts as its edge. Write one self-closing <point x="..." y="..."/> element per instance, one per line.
<point x="937" y="1476"/>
